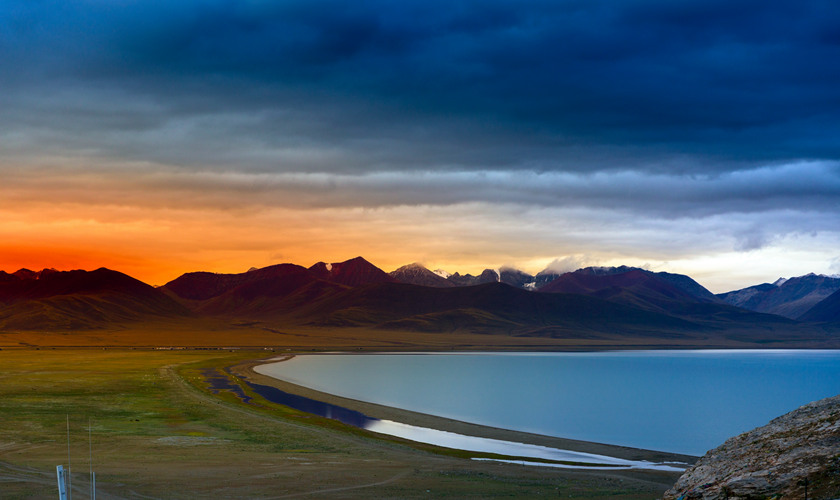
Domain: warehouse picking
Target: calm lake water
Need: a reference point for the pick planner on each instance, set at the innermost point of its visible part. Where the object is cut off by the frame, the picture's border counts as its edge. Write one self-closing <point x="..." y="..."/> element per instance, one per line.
<point x="677" y="401"/>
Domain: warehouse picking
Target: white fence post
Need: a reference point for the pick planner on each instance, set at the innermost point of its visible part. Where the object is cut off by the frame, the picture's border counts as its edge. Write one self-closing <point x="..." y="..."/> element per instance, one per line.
<point x="62" y="488"/>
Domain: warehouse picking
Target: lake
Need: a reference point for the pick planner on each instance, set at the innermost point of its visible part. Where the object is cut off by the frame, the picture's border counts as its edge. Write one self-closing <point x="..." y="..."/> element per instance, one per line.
<point x="677" y="401"/>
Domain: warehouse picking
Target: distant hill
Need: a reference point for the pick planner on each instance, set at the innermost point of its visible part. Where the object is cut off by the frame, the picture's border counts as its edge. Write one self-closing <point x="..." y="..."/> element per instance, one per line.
<point x="259" y="292"/>
<point x="545" y="277"/>
<point x="419" y="275"/>
<point x="321" y="296"/>
<point x="275" y="280"/>
<point x="632" y="286"/>
<point x="65" y="300"/>
<point x="486" y="276"/>
<point x="605" y="305"/>
<point x="272" y="298"/>
<point x="280" y="290"/>
<point x="676" y="295"/>
<point x="748" y="298"/>
<point x="516" y="278"/>
<point x="825" y="311"/>
<point x="357" y="294"/>
<point x="28" y="274"/>
<point x="353" y="272"/>
<point x="507" y="275"/>
<point x="204" y="285"/>
<point x="488" y="308"/>
<point x="790" y="298"/>
<point x="416" y="274"/>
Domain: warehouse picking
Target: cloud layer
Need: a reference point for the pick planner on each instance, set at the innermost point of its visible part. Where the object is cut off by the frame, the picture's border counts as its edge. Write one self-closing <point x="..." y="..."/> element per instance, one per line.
<point x="647" y="118"/>
<point x="335" y="86"/>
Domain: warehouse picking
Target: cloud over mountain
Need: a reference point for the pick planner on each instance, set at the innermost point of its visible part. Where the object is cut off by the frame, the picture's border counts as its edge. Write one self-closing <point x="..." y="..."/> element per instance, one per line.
<point x="696" y="119"/>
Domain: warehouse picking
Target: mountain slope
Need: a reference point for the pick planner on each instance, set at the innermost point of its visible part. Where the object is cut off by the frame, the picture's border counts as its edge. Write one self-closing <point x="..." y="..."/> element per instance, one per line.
<point x="790" y="298"/>
<point x="674" y="295"/>
<point x="353" y="272"/>
<point x="594" y="301"/>
<point x="632" y="286"/>
<point x="204" y="285"/>
<point x="508" y="275"/>
<point x="266" y="292"/>
<point x="748" y="298"/>
<point x="271" y="290"/>
<point x="416" y="274"/>
<point x="545" y="277"/>
<point x="80" y="300"/>
<point x="609" y="307"/>
<point x="323" y="296"/>
<point x="270" y="298"/>
<point x="487" y="308"/>
<point x="517" y="278"/>
<point x="827" y="310"/>
<point x="486" y="276"/>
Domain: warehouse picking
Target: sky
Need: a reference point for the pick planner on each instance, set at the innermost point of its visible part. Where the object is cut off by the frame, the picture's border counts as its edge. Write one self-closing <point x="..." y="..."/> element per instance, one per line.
<point x="162" y="137"/>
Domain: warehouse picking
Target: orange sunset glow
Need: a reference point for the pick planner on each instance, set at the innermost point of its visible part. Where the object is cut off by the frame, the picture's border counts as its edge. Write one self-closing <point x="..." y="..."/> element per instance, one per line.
<point x="163" y="149"/>
<point x="156" y="231"/>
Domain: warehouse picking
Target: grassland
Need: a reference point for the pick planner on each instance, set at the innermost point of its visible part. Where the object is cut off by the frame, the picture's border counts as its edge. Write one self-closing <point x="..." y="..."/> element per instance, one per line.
<point x="159" y="431"/>
<point x="220" y="332"/>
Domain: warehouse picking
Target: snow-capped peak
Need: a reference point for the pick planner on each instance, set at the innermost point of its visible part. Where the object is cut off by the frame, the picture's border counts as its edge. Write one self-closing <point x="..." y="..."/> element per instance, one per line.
<point x="442" y="273"/>
<point x="328" y="266"/>
<point x="780" y="282"/>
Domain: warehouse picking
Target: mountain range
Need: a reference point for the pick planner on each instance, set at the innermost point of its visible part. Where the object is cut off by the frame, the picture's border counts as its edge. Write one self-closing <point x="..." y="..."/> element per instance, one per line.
<point x="592" y="303"/>
<point x="73" y="300"/>
<point x="792" y="298"/>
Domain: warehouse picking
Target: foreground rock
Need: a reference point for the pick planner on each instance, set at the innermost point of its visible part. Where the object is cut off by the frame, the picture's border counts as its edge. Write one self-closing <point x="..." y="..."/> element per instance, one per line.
<point x="794" y="456"/>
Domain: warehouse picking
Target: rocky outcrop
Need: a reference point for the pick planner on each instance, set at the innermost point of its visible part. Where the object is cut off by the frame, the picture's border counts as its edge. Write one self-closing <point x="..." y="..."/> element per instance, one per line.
<point x="794" y="456"/>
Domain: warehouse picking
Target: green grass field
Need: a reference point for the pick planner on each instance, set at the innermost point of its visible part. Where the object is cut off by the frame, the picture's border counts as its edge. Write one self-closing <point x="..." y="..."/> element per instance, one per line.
<point x="158" y="431"/>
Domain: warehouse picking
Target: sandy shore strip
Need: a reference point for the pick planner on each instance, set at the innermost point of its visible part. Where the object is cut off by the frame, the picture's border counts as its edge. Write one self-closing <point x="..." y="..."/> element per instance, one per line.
<point x="246" y="370"/>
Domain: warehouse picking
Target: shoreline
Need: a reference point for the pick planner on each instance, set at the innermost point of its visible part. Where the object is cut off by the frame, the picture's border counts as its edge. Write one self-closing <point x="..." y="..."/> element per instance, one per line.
<point x="246" y="370"/>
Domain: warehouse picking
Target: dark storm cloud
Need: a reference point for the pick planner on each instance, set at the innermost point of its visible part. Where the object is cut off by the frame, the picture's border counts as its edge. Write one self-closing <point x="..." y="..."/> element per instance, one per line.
<point x="562" y="85"/>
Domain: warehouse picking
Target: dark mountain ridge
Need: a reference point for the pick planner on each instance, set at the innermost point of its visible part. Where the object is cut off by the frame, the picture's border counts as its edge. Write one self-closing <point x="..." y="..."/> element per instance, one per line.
<point x="416" y="274"/>
<point x="790" y="298"/>
<point x="516" y="278"/>
<point x="545" y="277"/>
<point x="615" y="300"/>
<point x="204" y="285"/>
<point x="596" y="303"/>
<point x="353" y="272"/>
<point x="323" y="295"/>
<point x="486" y="276"/>
<point x="78" y="299"/>
<point x="666" y="293"/>
<point x="633" y="286"/>
<point x="825" y="311"/>
<point x="273" y="290"/>
<point x="485" y="308"/>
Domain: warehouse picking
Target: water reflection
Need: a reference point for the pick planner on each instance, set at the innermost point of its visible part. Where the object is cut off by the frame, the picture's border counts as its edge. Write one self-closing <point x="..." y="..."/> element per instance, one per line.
<point x="677" y="401"/>
<point x="219" y="382"/>
<point x="335" y="412"/>
<point x="451" y="439"/>
<point x="510" y="448"/>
